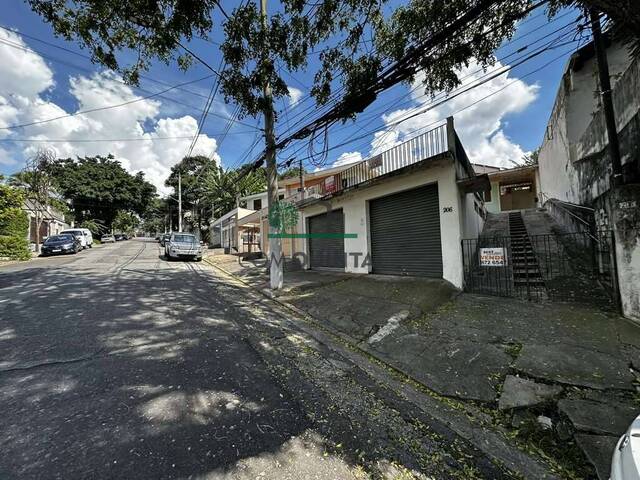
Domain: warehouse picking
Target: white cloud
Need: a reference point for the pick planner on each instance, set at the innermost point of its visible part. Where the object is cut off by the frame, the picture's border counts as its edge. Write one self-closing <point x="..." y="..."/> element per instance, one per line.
<point x="24" y="73"/>
<point x="295" y="94"/>
<point x="21" y="102"/>
<point x="347" y="158"/>
<point x="480" y="126"/>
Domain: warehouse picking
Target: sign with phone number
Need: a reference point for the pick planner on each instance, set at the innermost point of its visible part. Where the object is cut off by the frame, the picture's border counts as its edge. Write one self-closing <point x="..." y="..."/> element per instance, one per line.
<point x="492" y="257"/>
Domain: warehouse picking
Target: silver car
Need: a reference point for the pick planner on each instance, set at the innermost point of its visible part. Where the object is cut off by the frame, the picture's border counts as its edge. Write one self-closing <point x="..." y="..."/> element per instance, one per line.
<point x="183" y="245"/>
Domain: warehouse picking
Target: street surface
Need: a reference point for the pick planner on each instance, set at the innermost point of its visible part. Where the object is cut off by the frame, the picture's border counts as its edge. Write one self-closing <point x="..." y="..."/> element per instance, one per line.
<point x="115" y="363"/>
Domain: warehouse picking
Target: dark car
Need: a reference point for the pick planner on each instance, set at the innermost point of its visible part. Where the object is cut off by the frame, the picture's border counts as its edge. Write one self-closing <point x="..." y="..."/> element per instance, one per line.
<point x="119" y="237"/>
<point x="164" y="239"/>
<point x="59" y="244"/>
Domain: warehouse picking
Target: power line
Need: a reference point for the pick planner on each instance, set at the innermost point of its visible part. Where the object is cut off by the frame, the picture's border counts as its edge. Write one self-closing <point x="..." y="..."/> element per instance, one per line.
<point x="94" y="140"/>
<point x="424" y="127"/>
<point x="399" y="70"/>
<point x="157" y="94"/>
<point x="87" y="57"/>
<point x="98" y="109"/>
<point x="494" y="74"/>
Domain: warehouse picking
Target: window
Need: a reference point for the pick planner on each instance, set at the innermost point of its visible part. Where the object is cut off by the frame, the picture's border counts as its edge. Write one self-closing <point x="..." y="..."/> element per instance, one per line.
<point x="487" y="195"/>
<point x="281" y="196"/>
<point x="257" y="204"/>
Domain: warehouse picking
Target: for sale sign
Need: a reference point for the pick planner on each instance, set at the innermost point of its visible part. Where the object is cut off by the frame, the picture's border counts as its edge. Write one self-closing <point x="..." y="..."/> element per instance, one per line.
<point x="492" y="257"/>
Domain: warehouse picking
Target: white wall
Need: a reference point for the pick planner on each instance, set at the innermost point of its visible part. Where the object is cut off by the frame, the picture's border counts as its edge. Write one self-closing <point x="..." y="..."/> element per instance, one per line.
<point x="471" y="221"/>
<point x="494" y="205"/>
<point x="354" y="205"/>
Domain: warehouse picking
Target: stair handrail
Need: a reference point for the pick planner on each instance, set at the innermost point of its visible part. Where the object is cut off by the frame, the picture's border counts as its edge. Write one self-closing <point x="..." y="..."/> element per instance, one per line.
<point x="564" y="209"/>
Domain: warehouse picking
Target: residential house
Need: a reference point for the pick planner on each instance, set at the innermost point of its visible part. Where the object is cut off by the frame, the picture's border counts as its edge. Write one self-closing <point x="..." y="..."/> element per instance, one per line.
<point x="53" y="222"/>
<point x="575" y="165"/>
<point x="235" y="231"/>
<point x="401" y="212"/>
<point x="511" y="188"/>
<point x="290" y="192"/>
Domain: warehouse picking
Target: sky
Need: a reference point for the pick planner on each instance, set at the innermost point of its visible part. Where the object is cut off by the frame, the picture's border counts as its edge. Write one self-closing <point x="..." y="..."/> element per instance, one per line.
<point x="44" y="77"/>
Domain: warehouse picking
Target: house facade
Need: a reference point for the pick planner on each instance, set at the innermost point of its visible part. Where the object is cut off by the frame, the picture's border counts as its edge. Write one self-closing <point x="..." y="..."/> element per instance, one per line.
<point x="53" y="222"/>
<point x="402" y="212"/>
<point x="237" y="230"/>
<point x="511" y="189"/>
<point x="575" y="166"/>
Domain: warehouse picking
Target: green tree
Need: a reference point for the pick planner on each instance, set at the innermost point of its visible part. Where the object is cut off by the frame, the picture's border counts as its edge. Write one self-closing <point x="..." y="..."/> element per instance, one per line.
<point x="342" y="30"/>
<point x="223" y="187"/>
<point x="291" y="172"/>
<point x="14" y="224"/>
<point x="126" y="222"/>
<point x="36" y="181"/>
<point x="96" y="227"/>
<point x="530" y="158"/>
<point x="99" y="187"/>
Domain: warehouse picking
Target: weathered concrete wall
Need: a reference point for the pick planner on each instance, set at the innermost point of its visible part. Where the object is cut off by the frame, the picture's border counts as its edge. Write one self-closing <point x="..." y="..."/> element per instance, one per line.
<point x="574" y="163"/>
<point x="619" y="210"/>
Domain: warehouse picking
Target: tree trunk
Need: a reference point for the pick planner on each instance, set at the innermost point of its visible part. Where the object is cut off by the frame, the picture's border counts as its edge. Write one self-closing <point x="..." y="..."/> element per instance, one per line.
<point x="38" y="225"/>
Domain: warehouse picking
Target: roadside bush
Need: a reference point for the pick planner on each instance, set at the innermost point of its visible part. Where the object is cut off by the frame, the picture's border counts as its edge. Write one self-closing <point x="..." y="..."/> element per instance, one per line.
<point x="14" y="225"/>
<point x="14" y="222"/>
<point x="14" y="248"/>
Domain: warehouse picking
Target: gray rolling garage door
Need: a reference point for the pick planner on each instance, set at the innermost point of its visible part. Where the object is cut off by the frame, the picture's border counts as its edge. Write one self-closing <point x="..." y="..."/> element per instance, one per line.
<point x="405" y="233"/>
<point x="327" y="252"/>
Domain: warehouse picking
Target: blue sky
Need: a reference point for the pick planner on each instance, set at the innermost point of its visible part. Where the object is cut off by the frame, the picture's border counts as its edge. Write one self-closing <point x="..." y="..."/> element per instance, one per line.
<point x="47" y="82"/>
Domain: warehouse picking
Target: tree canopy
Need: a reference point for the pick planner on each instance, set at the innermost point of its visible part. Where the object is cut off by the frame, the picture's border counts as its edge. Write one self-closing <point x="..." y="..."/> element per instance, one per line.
<point x="355" y="42"/>
<point x="99" y="187"/>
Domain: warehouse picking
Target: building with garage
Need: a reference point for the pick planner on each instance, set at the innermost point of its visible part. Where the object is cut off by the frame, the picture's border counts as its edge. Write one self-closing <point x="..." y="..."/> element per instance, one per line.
<point x="401" y="212"/>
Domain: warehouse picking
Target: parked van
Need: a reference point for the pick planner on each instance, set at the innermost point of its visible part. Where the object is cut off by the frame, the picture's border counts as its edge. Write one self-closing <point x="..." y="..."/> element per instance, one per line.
<point x="88" y="236"/>
<point x="82" y="234"/>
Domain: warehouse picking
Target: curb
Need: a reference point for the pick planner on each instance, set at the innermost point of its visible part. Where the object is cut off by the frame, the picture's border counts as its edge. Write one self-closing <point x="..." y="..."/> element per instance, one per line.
<point x="468" y="424"/>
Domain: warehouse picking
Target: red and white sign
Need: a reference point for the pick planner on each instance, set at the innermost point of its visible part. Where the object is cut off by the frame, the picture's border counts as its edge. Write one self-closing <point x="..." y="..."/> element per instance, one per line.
<point x="330" y="184"/>
<point x="492" y="257"/>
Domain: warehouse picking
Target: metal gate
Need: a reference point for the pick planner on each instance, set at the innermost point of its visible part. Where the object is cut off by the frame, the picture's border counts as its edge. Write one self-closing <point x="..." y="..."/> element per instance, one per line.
<point x="405" y="233"/>
<point x="326" y="251"/>
<point x="562" y="267"/>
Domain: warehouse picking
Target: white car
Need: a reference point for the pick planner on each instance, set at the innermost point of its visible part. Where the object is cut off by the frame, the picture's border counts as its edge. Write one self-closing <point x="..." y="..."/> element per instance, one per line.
<point x="108" y="238"/>
<point x="183" y="245"/>
<point x="625" y="464"/>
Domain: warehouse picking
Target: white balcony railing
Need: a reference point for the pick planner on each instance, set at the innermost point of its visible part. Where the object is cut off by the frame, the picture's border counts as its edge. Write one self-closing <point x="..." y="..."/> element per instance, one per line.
<point x="419" y="148"/>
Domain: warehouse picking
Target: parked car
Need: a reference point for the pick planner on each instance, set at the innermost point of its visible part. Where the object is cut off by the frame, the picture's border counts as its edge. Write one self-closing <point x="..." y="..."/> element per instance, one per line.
<point x="625" y="464"/>
<point x="164" y="239"/>
<point x="60" y="244"/>
<point x="82" y="234"/>
<point x="107" y="238"/>
<point x="119" y="237"/>
<point x="183" y="245"/>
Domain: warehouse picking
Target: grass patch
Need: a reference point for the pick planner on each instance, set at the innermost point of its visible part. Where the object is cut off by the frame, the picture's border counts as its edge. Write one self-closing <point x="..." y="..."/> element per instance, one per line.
<point x="513" y="349"/>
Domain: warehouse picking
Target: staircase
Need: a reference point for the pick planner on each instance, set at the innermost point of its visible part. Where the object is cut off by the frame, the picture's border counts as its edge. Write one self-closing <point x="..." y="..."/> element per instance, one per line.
<point x="526" y="271"/>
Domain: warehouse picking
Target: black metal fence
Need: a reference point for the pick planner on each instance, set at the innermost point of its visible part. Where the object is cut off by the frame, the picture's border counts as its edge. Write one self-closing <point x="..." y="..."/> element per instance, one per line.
<point x="561" y="267"/>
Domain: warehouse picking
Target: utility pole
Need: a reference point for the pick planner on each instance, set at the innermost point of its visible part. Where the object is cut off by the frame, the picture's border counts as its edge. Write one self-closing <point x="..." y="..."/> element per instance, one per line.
<point x="607" y="102"/>
<point x="275" y="246"/>
<point x="179" y="201"/>
<point x="301" y="173"/>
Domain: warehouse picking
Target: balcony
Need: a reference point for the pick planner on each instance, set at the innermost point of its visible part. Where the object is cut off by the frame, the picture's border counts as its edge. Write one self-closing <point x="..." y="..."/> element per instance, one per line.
<point x="427" y="145"/>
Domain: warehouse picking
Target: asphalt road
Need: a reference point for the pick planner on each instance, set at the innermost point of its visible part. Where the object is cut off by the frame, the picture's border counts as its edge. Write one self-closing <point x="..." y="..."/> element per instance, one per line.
<point x="115" y="363"/>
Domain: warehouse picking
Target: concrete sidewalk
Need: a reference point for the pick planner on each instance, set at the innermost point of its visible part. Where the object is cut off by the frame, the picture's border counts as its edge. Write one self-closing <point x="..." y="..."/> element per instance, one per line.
<point x="558" y="375"/>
